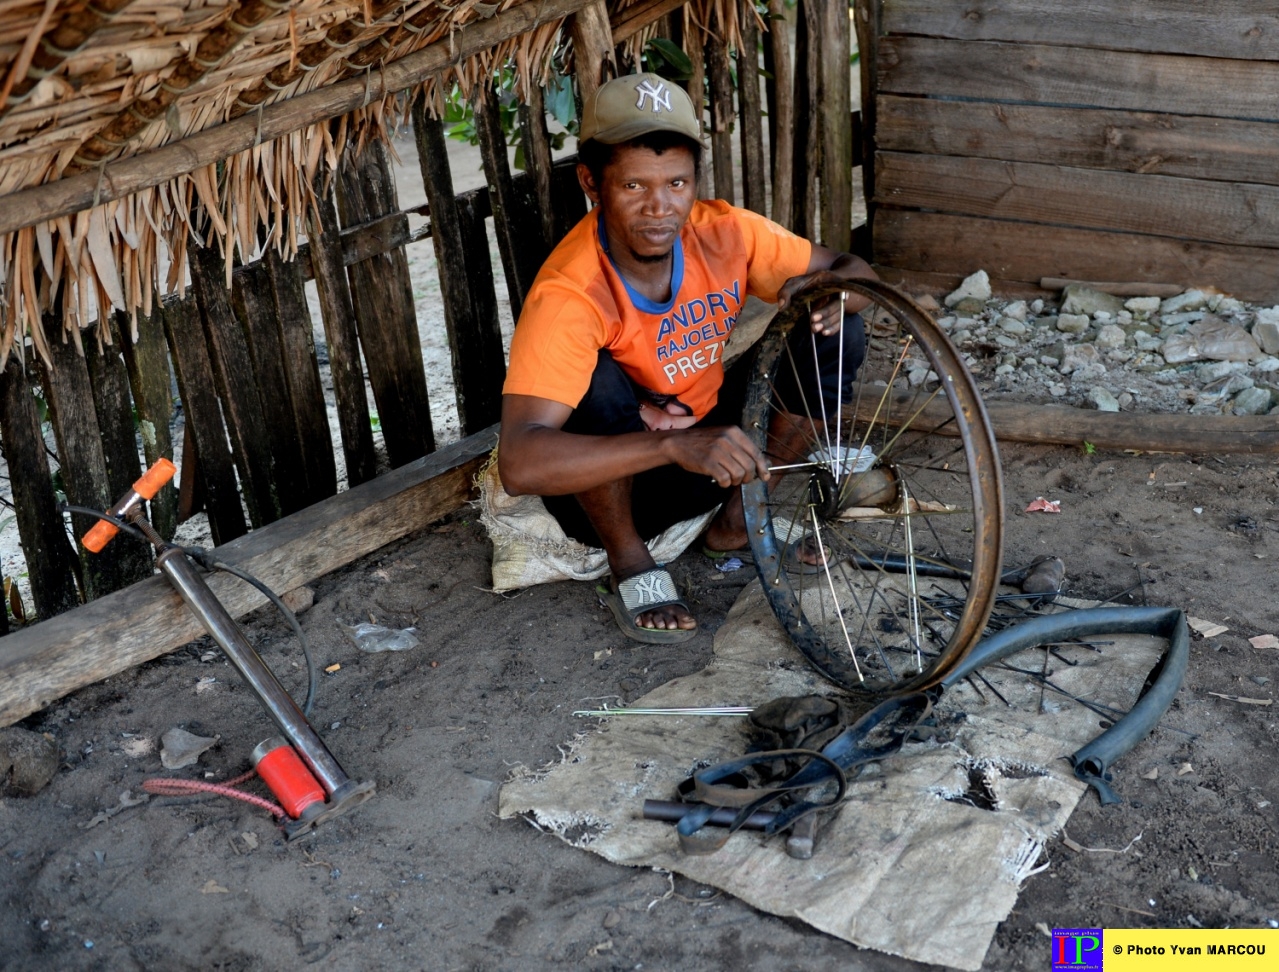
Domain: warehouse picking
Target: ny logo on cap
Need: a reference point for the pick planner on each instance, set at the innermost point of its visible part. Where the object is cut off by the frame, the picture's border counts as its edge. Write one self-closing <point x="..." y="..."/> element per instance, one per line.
<point x="658" y="92"/>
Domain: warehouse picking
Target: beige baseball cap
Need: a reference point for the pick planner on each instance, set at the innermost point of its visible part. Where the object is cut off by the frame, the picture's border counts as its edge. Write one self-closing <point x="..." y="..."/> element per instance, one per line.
<point x="635" y="105"/>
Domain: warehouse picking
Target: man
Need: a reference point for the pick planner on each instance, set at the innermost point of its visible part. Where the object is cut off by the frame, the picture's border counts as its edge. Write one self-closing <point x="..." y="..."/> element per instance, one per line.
<point x="616" y="408"/>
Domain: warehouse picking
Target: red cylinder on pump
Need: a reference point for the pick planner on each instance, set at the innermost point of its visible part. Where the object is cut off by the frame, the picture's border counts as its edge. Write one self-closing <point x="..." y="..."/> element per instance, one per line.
<point x="286" y="776"/>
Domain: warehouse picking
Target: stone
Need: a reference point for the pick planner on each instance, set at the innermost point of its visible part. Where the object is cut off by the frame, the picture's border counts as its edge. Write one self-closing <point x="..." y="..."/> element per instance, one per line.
<point x="1120" y="355"/>
<point x="1142" y="306"/>
<point x="1189" y="317"/>
<point x="1213" y="370"/>
<point x="963" y="336"/>
<point x="975" y="286"/>
<point x="917" y="376"/>
<point x="1125" y="400"/>
<point x="1007" y="341"/>
<point x="1105" y="401"/>
<point x="968" y="306"/>
<point x="1049" y="360"/>
<point x="1252" y="401"/>
<point x="299" y="599"/>
<point x="1057" y="390"/>
<point x="1124" y="317"/>
<point x="1017" y="309"/>
<point x="1145" y="341"/>
<point x="1266" y="334"/>
<point x="1266" y="365"/>
<point x="1102" y="317"/>
<point x="1072" y="323"/>
<point x="1078" y="299"/>
<point x="181" y="748"/>
<point x="1228" y="386"/>
<point x="929" y="303"/>
<point x="1036" y="306"/>
<point x="1227" y="305"/>
<point x="1268" y="315"/>
<point x="1081" y="357"/>
<point x="1012" y="325"/>
<point x="946" y="323"/>
<point x="28" y="761"/>
<point x="1005" y="369"/>
<point x="1223" y="340"/>
<point x="1189" y="301"/>
<point x="1111" y="336"/>
<point x="1181" y="348"/>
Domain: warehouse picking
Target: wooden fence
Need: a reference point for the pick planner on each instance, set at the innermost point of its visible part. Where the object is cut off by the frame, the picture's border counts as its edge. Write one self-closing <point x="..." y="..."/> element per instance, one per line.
<point x="1102" y="140"/>
<point x="257" y="440"/>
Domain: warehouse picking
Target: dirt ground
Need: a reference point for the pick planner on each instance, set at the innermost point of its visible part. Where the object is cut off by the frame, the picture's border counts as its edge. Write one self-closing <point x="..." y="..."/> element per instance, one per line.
<point x="426" y="877"/>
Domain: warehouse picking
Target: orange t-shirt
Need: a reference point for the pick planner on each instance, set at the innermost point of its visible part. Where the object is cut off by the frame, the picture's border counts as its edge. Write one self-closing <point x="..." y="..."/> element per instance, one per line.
<point x="579" y="304"/>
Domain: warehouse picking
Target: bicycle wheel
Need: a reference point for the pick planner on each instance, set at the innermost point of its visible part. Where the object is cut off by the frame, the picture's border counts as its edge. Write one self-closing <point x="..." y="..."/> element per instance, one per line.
<point x="894" y="491"/>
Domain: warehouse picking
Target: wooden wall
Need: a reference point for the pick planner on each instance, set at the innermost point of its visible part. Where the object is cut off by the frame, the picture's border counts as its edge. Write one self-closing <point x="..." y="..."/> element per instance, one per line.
<point x="1103" y="140"/>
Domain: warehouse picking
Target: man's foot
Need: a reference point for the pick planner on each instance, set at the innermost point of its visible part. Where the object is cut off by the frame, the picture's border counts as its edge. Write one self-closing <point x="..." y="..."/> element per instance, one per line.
<point x="648" y="608"/>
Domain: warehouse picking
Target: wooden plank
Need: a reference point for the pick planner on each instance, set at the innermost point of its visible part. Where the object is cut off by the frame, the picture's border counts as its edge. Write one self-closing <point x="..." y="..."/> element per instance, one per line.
<point x="781" y="111"/>
<point x="110" y="635"/>
<point x="754" y="168"/>
<point x="537" y="160"/>
<point x="65" y="380"/>
<point x="119" y="179"/>
<point x="479" y="364"/>
<point x="382" y="296"/>
<point x="837" y="142"/>
<point x="1117" y="288"/>
<point x="236" y="383"/>
<point x="1063" y="425"/>
<point x="1245" y="30"/>
<point x="254" y="305"/>
<point x="867" y="16"/>
<point x="592" y="37"/>
<point x="720" y="76"/>
<point x="631" y="20"/>
<point x="807" y="142"/>
<point x="1191" y="146"/>
<point x="310" y="415"/>
<point x="109" y="380"/>
<point x="1027" y="252"/>
<point x="151" y="379"/>
<point x="41" y="531"/>
<point x="570" y="201"/>
<point x="1241" y="214"/>
<point x="203" y="417"/>
<point x="697" y="94"/>
<point x="340" y="334"/>
<point x="361" y="242"/>
<point x="1068" y="76"/>
<point x="470" y="310"/>
<point x="522" y="251"/>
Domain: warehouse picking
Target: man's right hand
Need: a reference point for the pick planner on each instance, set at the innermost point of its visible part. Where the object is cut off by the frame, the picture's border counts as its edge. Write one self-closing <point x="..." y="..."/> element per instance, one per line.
<point x="723" y="453"/>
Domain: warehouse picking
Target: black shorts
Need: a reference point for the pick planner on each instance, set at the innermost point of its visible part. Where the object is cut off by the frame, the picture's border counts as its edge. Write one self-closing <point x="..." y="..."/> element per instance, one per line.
<point x="667" y="495"/>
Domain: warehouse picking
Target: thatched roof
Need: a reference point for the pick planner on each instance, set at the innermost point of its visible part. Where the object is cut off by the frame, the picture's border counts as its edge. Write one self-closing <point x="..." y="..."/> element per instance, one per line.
<point x="86" y="83"/>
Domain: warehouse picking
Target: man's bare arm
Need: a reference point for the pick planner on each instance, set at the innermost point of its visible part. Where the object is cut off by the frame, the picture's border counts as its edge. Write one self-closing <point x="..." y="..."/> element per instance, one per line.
<point x="537" y="456"/>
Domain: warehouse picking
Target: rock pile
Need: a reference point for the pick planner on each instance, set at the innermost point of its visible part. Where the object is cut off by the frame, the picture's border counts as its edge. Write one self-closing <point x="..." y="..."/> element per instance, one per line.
<point x="1200" y="351"/>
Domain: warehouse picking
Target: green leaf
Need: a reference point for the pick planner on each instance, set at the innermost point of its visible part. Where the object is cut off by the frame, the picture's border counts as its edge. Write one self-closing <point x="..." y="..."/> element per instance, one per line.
<point x="559" y="100"/>
<point x="519" y="158"/>
<point x="1089" y="448"/>
<point x="680" y="65"/>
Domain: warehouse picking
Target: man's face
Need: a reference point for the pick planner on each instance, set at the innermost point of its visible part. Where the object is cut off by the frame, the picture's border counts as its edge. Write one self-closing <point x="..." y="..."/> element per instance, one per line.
<point x="645" y="198"/>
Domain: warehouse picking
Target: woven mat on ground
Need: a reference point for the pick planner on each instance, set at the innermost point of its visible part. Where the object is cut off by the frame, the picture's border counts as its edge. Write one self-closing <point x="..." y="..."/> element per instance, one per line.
<point x="914" y="865"/>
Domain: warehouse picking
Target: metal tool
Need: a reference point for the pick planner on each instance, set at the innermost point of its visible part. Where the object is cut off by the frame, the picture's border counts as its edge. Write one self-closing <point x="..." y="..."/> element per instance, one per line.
<point x="341" y="792"/>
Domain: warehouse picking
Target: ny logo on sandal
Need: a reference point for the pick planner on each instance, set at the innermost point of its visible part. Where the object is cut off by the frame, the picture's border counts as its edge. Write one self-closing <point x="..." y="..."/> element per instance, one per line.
<point x="658" y="92"/>
<point x="648" y="589"/>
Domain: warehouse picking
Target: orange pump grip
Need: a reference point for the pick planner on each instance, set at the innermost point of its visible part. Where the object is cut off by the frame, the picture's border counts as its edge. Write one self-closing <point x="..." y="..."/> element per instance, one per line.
<point x="144" y="488"/>
<point x="154" y="478"/>
<point x="99" y="536"/>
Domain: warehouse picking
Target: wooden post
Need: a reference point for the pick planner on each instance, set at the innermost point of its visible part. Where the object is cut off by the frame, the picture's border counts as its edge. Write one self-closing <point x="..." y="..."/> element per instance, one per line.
<point x="338" y="315"/>
<point x="781" y="113"/>
<point x="151" y="378"/>
<point x="41" y="532"/>
<point x="570" y="201"/>
<point x="807" y="123"/>
<point x="478" y="360"/>
<point x="592" y="37"/>
<point x="382" y="295"/>
<point x="109" y="380"/>
<point x="253" y="303"/>
<point x="475" y="337"/>
<point x="302" y="372"/>
<point x="868" y="13"/>
<point x="537" y="159"/>
<point x="837" y="142"/>
<point x="236" y="384"/>
<point x="522" y="251"/>
<point x="697" y="93"/>
<point x="721" y="80"/>
<point x="750" y="110"/>
<point x="81" y="460"/>
<point x="203" y="417"/>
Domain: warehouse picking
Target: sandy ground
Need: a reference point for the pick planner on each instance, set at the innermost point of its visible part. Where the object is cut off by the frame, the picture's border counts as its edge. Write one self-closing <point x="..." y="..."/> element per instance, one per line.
<point x="425" y="876"/>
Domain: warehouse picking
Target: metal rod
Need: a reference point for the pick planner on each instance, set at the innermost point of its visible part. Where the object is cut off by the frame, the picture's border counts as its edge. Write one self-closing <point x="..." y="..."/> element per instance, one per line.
<point x="187" y="581"/>
<point x="673" y="811"/>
